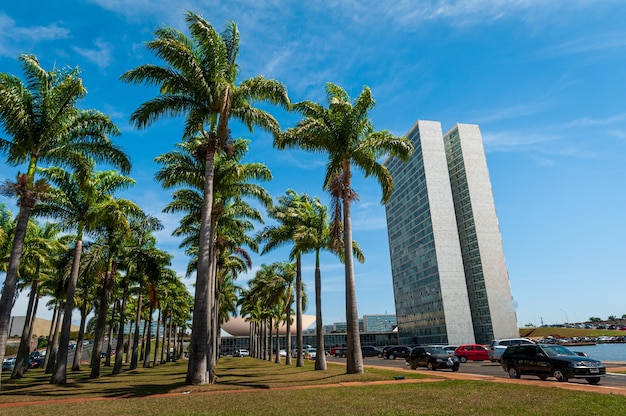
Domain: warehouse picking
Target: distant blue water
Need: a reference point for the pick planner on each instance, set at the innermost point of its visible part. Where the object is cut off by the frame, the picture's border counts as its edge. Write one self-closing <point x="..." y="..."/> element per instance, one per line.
<point x="604" y="352"/>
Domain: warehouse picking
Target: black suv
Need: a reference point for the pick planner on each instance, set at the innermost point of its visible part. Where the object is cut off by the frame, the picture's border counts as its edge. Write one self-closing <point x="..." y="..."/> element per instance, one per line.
<point x="432" y="358"/>
<point x="547" y="360"/>
<point x="397" y="351"/>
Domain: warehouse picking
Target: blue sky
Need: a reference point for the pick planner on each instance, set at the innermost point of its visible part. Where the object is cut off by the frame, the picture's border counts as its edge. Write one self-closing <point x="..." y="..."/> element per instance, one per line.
<point x="544" y="80"/>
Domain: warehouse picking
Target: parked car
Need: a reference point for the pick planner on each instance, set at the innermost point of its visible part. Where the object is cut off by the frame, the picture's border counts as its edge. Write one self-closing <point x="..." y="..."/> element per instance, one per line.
<point x="341" y="352"/>
<point x="103" y="353"/>
<point x="497" y="346"/>
<point x="36" y="362"/>
<point x="241" y="353"/>
<point x="310" y="353"/>
<point x="549" y="360"/>
<point x="450" y="349"/>
<point x="387" y="347"/>
<point x="334" y="349"/>
<point x="473" y="352"/>
<point x="395" y="352"/>
<point x="8" y="364"/>
<point x="433" y="358"/>
<point x="370" y="351"/>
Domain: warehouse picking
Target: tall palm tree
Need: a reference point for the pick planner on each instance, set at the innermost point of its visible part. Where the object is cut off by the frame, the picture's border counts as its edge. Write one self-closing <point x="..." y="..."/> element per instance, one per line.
<point x="285" y="282"/>
<point x="139" y="258"/>
<point x="41" y="262"/>
<point x="76" y="202"/>
<point x="230" y="220"/>
<point x="315" y="234"/>
<point x="43" y="125"/>
<point x="199" y="82"/>
<point x="92" y="267"/>
<point x="114" y="229"/>
<point x="346" y="134"/>
<point x="288" y="214"/>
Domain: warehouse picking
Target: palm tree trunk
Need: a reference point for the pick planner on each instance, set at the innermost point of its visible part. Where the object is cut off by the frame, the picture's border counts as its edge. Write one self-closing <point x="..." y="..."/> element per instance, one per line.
<point x="264" y="339"/>
<point x="119" y="349"/>
<point x="143" y="340"/>
<point x="81" y="336"/>
<point x="268" y="339"/>
<point x="288" y="334"/>
<point x="277" y="350"/>
<point x="55" y="311"/>
<point x="300" y="358"/>
<point x="130" y="344"/>
<point x="60" y="371"/>
<point x="181" y="337"/>
<point x="170" y="334"/>
<point x="354" y="360"/>
<point x="155" y="361"/>
<point x="251" y="340"/>
<point x="214" y="308"/>
<point x="197" y="371"/>
<point x="135" y="354"/>
<point x="219" y="338"/>
<point x="101" y="324"/>
<point x="107" y="360"/>
<point x="163" y="343"/>
<point x="27" y="201"/>
<point x="320" y="357"/>
<point x="53" y="347"/>
<point x="146" y="361"/>
<point x="23" y="352"/>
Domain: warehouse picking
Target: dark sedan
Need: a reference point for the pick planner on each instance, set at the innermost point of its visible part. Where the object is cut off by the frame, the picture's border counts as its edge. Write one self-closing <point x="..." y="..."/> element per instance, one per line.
<point x="396" y="352"/>
<point x="547" y="360"/>
<point x="370" y="351"/>
<point x="433" y="358"/>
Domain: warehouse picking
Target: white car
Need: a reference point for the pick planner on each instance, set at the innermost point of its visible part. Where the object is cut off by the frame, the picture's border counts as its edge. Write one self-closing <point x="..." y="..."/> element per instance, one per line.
<point x="311" y="353"/>
<point x="241" y="353"/>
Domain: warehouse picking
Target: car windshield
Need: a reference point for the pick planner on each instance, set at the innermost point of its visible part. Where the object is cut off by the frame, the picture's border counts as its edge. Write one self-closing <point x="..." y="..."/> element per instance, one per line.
<point x="556" y="350"/>
<point x="436" y="350"/>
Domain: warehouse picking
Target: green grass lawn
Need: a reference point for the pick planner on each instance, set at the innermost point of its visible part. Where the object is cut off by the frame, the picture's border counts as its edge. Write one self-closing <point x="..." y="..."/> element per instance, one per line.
<point x="247" y="386"/>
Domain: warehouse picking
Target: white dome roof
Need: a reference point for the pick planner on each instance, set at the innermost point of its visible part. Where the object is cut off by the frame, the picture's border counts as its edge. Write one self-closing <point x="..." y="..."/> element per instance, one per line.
<point x="239" y="327"/>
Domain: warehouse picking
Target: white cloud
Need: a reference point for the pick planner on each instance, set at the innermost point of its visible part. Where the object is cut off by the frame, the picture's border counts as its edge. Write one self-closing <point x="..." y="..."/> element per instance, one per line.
<point x="586" y="121"/>
<point x="16" y="38"/>
<point x="596" y="43"/>
<point x="514" y="140"/>
<point x="101" y="55"/>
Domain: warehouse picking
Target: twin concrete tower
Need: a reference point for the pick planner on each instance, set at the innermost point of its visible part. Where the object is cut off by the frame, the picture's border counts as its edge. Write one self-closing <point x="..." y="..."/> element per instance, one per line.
<point x="450" y="279"/>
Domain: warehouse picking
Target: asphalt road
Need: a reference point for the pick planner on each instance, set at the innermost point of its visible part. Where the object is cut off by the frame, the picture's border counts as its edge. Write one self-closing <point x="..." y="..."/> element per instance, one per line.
<point x="487" y="368"/>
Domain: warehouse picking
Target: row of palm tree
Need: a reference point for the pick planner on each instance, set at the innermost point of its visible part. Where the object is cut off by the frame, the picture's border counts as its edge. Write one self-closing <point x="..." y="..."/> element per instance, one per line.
<point x="199" y="81"/>
<point x="45" y="126"/>
<point x="45" y="268"/>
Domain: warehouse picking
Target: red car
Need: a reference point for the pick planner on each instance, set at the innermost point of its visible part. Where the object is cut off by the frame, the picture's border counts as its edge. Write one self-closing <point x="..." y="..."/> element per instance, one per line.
<point x="474" y="352"/>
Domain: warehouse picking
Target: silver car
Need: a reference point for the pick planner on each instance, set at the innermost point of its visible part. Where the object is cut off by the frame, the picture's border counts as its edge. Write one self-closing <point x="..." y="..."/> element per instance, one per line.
<point x="497" y="347"/>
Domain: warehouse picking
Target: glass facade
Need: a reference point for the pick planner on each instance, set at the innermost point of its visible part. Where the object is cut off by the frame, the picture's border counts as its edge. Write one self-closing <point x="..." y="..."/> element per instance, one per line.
<point x="472" y="263"/>
<point x="379" y="323"/>
<point x="440" y="215"/>
<point x="414" y="267"/>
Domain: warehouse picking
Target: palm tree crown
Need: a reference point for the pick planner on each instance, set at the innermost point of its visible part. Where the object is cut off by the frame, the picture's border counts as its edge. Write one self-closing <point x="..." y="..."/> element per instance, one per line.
<point x="198" y="81"/>
<point x="346" y="134"/>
